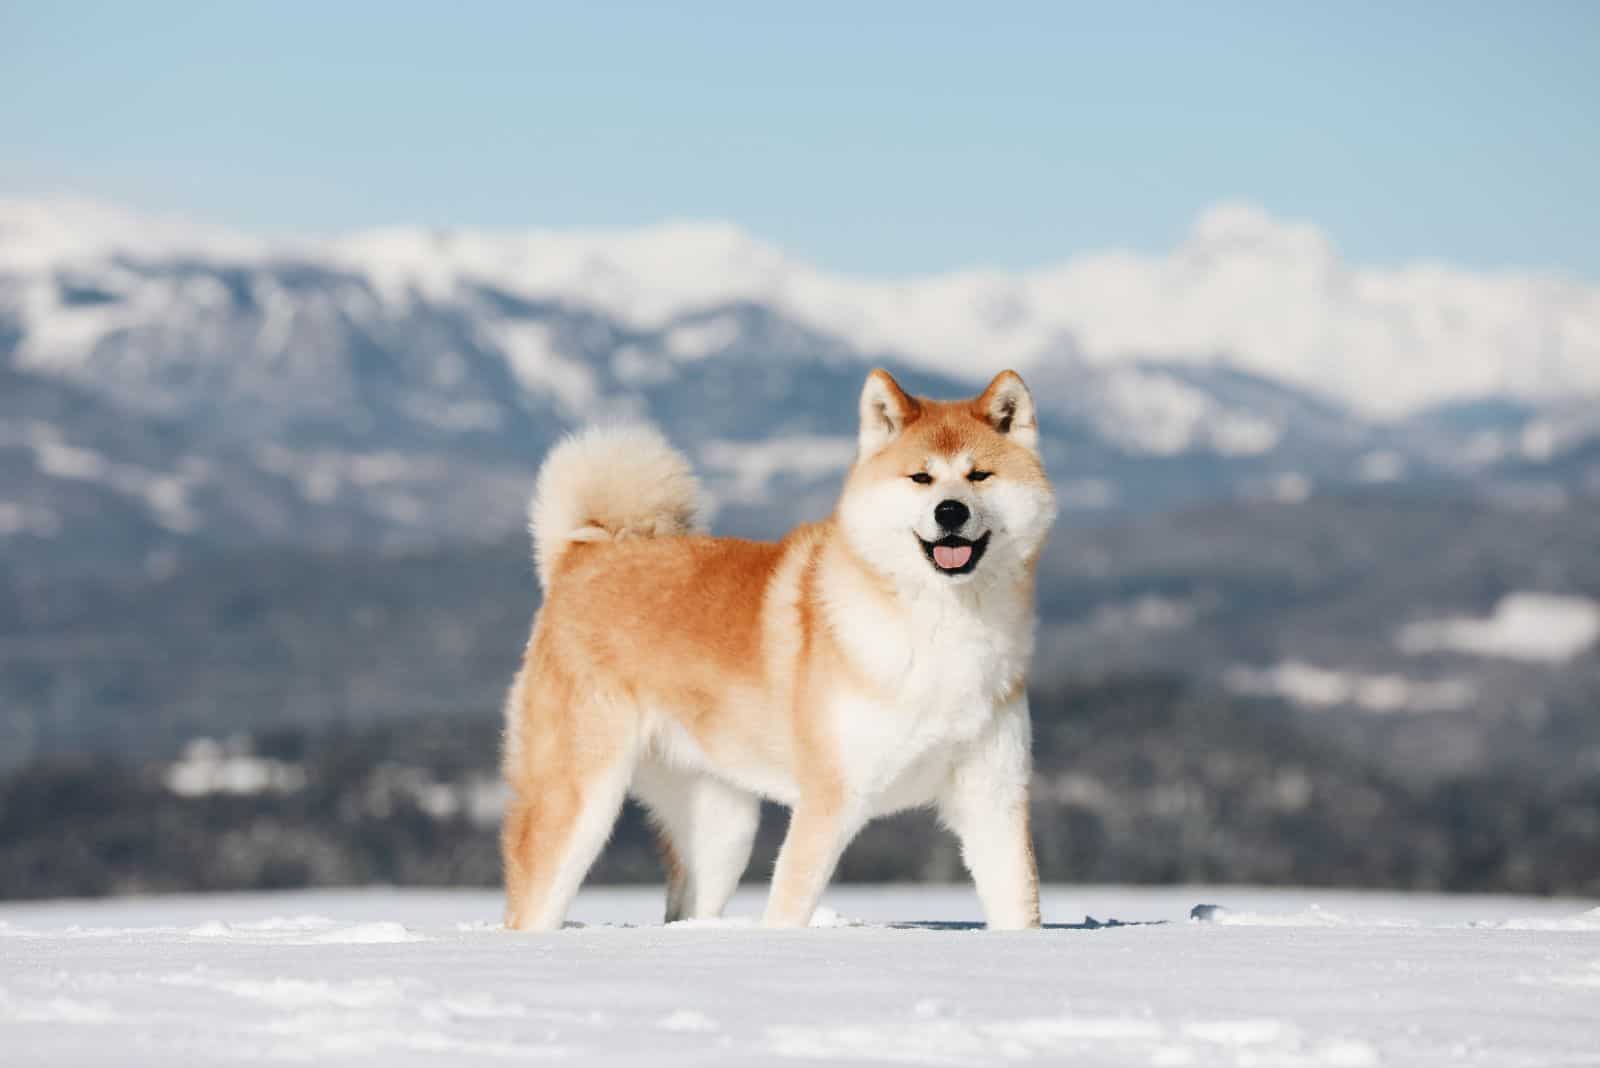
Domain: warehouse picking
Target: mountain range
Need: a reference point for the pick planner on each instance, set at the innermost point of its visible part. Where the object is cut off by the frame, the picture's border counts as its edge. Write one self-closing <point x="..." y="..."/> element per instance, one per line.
<point x="248" y="480"/>
<point x="170" y="387"/>
<point x="1263" y="294"/>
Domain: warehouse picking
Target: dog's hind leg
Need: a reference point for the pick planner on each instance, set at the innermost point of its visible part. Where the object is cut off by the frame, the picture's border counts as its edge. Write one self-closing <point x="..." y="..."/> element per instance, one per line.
<point x="677" y="874"/>
<point x="707" y="829"/>
<point x="551" y="841"/>
<point x="664" y="793"/>
<point x="568" y="776"/>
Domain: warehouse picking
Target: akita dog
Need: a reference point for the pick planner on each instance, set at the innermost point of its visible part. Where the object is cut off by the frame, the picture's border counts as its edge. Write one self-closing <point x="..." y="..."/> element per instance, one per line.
<point x="863" y="665"/>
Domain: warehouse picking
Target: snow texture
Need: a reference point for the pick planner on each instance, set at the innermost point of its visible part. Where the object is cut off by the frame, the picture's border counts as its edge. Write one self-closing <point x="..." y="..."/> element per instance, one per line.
<point x="1183" y="976"/>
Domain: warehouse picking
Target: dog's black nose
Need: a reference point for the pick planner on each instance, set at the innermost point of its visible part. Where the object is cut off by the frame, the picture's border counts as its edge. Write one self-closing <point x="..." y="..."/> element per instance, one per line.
<point x="951" y="515"/>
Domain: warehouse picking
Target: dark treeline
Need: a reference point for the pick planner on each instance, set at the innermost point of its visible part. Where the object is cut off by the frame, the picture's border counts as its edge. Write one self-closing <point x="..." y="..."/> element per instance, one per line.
<point x="1139" y="779"/>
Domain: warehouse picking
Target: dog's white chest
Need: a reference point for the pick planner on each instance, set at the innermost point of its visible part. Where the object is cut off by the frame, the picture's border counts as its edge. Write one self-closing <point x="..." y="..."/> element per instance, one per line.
<point x="943" y="675"/>
<point x="946" y="652"/>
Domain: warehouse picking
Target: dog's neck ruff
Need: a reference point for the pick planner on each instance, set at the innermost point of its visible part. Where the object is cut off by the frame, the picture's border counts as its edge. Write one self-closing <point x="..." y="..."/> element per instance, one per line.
<point x="926" y="621"/>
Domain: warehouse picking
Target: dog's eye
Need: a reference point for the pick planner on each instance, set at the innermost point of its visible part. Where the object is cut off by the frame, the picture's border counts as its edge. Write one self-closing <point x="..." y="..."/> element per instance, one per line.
<point x="922" y="478"/>
<point x="978" y="476"/>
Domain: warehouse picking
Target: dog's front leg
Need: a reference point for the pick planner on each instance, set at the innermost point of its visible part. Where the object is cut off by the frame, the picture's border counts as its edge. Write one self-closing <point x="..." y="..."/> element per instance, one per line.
<point x="986" y="804"/>
<point x="819" y="830"/>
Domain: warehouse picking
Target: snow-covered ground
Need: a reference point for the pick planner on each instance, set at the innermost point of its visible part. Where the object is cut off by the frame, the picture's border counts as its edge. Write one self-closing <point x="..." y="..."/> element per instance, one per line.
<point x="897" y="974"/>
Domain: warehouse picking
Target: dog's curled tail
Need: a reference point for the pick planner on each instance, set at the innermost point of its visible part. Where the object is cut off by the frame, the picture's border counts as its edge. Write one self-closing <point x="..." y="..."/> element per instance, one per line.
<point x="608" y="483"/>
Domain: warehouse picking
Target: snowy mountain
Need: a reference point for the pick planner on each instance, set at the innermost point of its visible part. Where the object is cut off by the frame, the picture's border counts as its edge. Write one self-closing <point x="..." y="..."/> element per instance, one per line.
<point x="397" y="387"/>
<point x="1540" y="453"/>
<point x="1267" y="295"/>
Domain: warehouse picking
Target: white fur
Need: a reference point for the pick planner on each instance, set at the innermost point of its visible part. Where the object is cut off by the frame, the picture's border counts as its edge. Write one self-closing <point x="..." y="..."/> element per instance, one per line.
<point x="946" y="741"/>
<point x="611" y="482"/>
<point x="711" y="826"/>
<point x="985" y="804"/>
<point x="950" y="658"/>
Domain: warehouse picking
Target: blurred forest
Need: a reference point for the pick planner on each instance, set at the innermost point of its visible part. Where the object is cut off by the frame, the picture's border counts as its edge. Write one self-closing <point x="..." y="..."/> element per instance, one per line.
<point x="1140" y="778"/>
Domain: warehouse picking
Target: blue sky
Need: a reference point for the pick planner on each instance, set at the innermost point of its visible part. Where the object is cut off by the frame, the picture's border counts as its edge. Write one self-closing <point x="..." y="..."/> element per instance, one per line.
<point x="874" y="138"/>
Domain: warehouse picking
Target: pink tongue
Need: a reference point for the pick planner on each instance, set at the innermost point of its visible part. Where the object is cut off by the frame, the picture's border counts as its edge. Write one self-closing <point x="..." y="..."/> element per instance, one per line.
<point x="951" y="557"/>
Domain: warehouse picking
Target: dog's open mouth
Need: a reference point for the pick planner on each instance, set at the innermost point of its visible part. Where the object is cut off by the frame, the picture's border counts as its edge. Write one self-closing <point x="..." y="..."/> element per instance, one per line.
<point x="955" y="556"/>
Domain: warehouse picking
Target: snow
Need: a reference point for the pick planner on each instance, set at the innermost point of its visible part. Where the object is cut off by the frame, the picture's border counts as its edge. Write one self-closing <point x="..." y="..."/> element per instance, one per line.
<point x="164" y="495"/>
<point x="1557" y="432"/>
<point x="1319" y="687"/>
<point x="1382" y="465"/>
<point x="321" y="474"/>
<point x="1289" y="487"/>
<point x="1086" y="494"/>
<point x="695" y="341"/>
<point x="1266" y="294"/>
<point x="209" y="767"/>
<point x="537" y="363"/>
<point x="66" y="461"/>
<point x="1269" y="977"/>
<point x="1157" y="415"/>
<point x="1541" y="627"/>
<point x="31" y="519"/>
<point x="748" y="467"/>
<point x="50" y="232"/>
<point x="1147" y="612"/>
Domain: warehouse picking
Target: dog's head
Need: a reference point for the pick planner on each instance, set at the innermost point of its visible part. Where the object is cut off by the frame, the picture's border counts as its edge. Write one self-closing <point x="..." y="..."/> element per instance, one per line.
<point x="947" y="491"/>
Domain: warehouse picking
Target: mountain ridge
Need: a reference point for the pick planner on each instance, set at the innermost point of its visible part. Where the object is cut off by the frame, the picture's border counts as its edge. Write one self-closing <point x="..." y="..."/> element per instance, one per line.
<point x="170" y="388"/>
<point x="1243" y="287"/>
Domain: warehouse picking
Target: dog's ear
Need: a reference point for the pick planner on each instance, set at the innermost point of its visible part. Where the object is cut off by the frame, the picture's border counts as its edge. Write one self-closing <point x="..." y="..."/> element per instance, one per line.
<point x="1008" y="407"/>
<point x="885" y="411"/>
